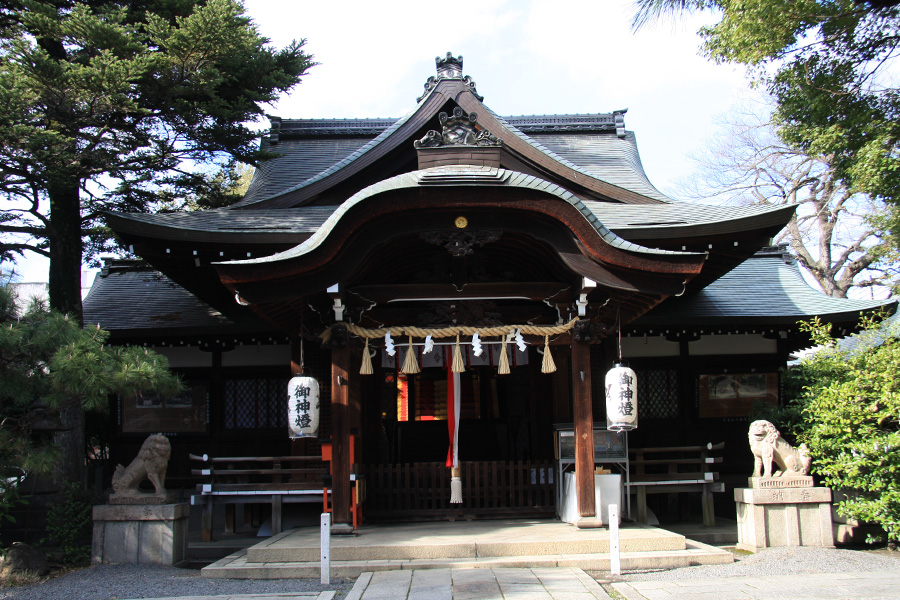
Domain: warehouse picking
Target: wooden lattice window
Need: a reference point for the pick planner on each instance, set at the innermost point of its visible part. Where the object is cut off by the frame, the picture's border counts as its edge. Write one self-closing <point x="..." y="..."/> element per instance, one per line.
<point x="255" y="403"/>
<point x="658" y="394"/>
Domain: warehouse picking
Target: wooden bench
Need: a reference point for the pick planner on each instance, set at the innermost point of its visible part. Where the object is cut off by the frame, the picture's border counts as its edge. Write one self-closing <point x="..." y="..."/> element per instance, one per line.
<point x="256" y="480"/>
<point x="675" y="469"/>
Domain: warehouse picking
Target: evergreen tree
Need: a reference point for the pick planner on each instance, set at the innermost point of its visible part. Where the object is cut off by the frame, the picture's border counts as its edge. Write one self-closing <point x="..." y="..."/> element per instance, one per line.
<point x="828" y="65"/>
<point x="104" y="102"/>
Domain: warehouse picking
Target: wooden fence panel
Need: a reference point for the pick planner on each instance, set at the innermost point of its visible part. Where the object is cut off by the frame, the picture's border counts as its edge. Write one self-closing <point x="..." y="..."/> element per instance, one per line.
<point x="490" y="488"/>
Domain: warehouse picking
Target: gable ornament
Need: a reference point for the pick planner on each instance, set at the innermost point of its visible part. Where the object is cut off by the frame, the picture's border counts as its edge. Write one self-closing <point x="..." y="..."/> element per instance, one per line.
<point x="458" y="129"/>
<point x="449" y="67"/>
<point x="460" y="243"/>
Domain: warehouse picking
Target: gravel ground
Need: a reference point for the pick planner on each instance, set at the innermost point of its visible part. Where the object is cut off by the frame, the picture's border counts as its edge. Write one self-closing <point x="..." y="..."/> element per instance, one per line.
<point x="780" y="561"/>
<point x="113" y="582"/>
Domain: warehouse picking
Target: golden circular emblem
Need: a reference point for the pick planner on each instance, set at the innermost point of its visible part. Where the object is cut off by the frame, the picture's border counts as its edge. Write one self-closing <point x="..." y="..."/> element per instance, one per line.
<point x="461" y="222"/>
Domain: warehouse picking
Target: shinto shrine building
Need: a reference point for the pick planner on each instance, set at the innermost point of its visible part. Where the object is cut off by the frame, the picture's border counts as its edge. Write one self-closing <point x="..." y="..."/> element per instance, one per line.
<point x="541" y="234"/>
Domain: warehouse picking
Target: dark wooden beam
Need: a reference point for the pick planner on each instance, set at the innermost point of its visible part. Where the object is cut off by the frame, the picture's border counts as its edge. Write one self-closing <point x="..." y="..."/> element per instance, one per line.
<point x="412" y="313"/>
<point x="538" y="291"/>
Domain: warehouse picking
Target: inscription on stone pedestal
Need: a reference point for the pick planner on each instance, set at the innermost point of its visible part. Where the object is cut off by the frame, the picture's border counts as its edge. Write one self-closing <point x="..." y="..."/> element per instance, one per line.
<point x="786" y="481"/>
<point x="166" y="498"/>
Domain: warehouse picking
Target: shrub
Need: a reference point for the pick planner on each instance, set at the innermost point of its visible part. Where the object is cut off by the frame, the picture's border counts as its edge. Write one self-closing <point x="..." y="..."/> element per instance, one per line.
<point x="70" y="525"/>
<point x="850" y="402"/>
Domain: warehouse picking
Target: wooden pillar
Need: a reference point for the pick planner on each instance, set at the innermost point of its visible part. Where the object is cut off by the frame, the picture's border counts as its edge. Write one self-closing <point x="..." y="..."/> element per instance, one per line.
<point x="277" y="523"/>
<point x="216" y="401"/>
<point x="216" y="413"/>
<point x="687" y="410"/>
<point x="584" y="425"/>
<point x="206" y="520"/>
<point x="354" y="407"/>
<point x="340" y="424"/>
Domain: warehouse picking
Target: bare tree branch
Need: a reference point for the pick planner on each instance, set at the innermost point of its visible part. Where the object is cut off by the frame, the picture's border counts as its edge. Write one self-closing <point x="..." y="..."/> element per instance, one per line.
<point x="829" y="234"/>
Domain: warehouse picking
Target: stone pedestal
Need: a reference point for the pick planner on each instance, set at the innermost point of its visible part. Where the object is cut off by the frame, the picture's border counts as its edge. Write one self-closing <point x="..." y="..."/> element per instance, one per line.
<point x="791" y="516"/>
<point x="140" y="534"/>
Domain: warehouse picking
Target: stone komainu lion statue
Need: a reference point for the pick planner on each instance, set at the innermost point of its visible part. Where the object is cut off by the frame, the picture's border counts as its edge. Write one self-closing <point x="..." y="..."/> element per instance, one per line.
<point x="768" y="447"/>
<point x="150" y="463"/>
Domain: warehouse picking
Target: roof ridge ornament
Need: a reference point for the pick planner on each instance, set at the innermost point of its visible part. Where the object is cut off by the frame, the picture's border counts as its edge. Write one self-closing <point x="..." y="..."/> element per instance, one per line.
<point x="274" y="128"/>
<point x="449" y="67"/>
<point x="458" y="130"/>
<point x="620" y="121"/>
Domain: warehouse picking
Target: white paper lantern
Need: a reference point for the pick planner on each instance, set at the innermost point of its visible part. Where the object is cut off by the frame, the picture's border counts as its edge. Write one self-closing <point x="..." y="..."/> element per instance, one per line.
<point x="621" y="399"/>
<point x="303" y="407"/>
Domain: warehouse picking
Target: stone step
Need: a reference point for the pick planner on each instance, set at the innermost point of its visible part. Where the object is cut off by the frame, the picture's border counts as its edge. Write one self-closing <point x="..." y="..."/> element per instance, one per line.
<point x="465" y="541"/>
<point x="724" y="533"/>
<point x="237" y="566"/>
<point x="212" y="553"/>
<point x="257" y="554"/>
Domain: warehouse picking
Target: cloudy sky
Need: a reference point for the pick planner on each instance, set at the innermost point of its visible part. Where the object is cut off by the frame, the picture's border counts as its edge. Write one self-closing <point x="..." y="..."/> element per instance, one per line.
<point x="526" y="57"/>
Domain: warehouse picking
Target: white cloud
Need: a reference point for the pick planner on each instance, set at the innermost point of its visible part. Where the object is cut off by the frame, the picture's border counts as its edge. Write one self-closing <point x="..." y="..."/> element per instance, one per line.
<point x="542" y="56"/>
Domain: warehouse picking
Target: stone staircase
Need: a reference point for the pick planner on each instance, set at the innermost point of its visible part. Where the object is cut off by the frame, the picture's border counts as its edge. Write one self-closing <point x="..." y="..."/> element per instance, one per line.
<point x="484" y="544"/>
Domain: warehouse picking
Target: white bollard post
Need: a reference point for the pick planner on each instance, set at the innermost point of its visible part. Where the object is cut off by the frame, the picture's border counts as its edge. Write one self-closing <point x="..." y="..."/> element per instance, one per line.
<point x="615" y="560"/>
<point x="326" y="548"/>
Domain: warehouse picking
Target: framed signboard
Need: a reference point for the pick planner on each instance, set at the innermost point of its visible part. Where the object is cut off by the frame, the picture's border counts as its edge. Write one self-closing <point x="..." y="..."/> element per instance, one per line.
<point x="734" y="394"/>
<point x="148" y="412"/>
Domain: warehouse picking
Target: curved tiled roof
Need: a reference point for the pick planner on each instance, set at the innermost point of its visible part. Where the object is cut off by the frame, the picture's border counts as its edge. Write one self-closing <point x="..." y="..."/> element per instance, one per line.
<point x="619" y="163"/>
<point x="298" y="160"/>
<point x="342" y="162"/>
<point x="456" y="175"/>
<point x="312" y="150"/>
<point x="165" y="305"/>
<point x="628" y="221"/>
<point x="221" y="220"/>
<point x="681" y="219"/>
<point x="767" y="287"/>
<point x="868" y="339"/>
<point x="607" y="157"/>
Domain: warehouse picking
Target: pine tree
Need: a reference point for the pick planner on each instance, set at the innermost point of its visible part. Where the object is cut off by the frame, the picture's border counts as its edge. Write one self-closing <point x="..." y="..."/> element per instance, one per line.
<point x="102" y="104"/>
<point x="49" y="364"/>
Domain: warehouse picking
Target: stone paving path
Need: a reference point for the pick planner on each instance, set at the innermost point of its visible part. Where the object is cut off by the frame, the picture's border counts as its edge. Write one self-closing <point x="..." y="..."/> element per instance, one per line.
<point x="478" y="584"/>
<point x="296" y="596"/>
<point x="575" y="584"/>
<point x="873" y="585"/>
